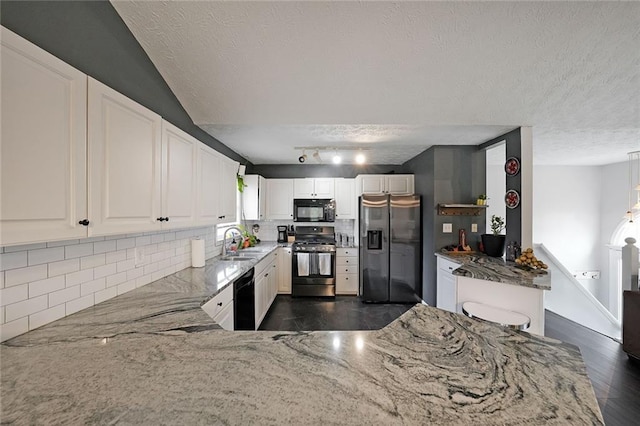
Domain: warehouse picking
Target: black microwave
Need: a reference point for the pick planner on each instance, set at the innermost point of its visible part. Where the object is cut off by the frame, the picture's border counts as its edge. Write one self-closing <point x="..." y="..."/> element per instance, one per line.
<point x="310" y="210"/>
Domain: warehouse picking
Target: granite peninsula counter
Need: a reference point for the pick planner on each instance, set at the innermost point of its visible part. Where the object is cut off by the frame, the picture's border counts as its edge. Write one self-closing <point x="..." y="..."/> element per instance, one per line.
<point x="152" y="356"/>
<point x="494" y="282"/>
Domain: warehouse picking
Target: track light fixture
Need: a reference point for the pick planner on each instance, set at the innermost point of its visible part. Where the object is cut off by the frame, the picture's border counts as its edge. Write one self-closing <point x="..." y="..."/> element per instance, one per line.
<point x="303" y="157"/>
<point x="337" y="157"/>
<point x="316" y="155"/>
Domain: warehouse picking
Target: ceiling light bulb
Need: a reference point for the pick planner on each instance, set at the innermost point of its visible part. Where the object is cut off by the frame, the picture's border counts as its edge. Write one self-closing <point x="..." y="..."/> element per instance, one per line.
<point x="336" y="159"/>
<point x="360" y="158"/>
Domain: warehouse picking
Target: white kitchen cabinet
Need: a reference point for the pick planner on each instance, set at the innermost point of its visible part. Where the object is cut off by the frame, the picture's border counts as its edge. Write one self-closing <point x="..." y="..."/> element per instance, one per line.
<point x="313" y="188"/>
<point x="208" y="170"/>
<point x="43" y="148"/>
<point x="179" y="177"/>
<point x="347" y="271"/>
<point x="124" y="151"/>
<point x="284" y="270"/>
<point x="446" y="286"/>
<point x="280" y="199"/>
<point x="228" y="181"/>
<point x="346" y="199"/>
<point x="266" y="286"/>
<point x="254" y="198"/>
<point x="385" y="184"/>
<point x="220" y="308"/>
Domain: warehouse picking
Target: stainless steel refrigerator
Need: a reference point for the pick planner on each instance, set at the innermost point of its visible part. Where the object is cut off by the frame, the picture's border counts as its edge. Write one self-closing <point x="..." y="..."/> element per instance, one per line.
<point x="390" y="248"/>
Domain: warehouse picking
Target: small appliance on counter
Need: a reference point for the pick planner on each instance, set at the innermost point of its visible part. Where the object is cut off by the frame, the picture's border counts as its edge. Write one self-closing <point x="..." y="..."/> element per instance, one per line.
<point x="291" y="234"/>
<point x="282" y="234"/>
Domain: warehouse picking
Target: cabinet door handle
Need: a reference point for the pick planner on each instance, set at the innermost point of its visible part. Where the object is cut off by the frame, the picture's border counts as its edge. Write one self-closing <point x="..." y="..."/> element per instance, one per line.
<point x="166" y="219"/>
<point x="219" y="303"/>
<point x="160" y="219"/>
<point x="266" y="275"/>
<point x="84" y="222"/>
<point x="450" y="268"/>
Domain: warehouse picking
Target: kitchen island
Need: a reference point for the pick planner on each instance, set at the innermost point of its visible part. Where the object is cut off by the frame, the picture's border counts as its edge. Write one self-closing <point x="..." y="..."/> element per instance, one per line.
<point x="152" y="356"/>
<point x="494" y="282"/>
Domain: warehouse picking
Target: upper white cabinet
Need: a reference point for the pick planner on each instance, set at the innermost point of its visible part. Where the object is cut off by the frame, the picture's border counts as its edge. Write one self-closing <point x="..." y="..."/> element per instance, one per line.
<point x="280" y="199"/>
<point x="228" y="181"/>
<point x="345" y="198"/>
<point x="217" y="187"/>
<point x="43" y="145"/>
<point x="124" y="163"/>
<point x="254" y="198"/>
<point x="313" y="188"/>
<point x="385" y="184"/>
<point x="179" y="177"/>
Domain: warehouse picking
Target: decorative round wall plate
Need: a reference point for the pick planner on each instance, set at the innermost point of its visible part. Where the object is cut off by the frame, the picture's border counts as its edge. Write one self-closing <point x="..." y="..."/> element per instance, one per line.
<point x="512" y="166"/>
<point x="512" y="199"/>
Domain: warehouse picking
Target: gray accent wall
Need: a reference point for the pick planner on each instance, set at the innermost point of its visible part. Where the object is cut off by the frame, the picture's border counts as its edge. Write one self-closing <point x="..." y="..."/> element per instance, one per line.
<point x="514" y="216"/>
<point x="91" y="36"/>
<point x="285" y="171"/>
<point x="444" y="175"/>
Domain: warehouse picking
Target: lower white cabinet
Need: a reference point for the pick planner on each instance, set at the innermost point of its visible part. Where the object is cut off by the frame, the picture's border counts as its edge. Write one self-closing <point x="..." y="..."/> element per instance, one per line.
<point x="266" y="286"/>
<point x="347" y="271"/>
<point x="220" y="308"/>
<point x="284" y="270"/>
<point x="446" y="287"/>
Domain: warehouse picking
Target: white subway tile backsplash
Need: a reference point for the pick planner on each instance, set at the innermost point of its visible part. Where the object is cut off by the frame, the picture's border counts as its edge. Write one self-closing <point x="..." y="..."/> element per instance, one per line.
<point x="78" y="250"/>
<point x="76" y="305"/>
<point x="79" y="277"/>
<point x="125" y="243"/>
<point x="104" y="246"/>
<point x="14" y="294"/>
<point x="103" y="271"/>
<point x="143" y="280"/>
<point x="152" y="267"/>
<point x="157" y="238"/>
<point x="62" y="296"/>
<point x="24" y="275"/>
<point x="143" y="241"/>
<point x="92" y="286"/>
<point x="48" y="285"/>
<point x="25" y="247"/>
<point x="13" y="260"/>
<point x="44" y="317"/>
<point x="165" y="263"/>
<point x="92" y="239"/>
<point x="169" y="236"/>
<point x="2" y="315"/>
<point x="135" y="273"/>
<point x="14" y="328"/>
<point x="92" y="261"/>
<point x="62" y="243"/>
<point x="1" y="279"/>
<point x="64" y="267"/>
<point x="26" y="307"/>
<point x="116" y="256"/>
<point x="126" y="265"/>
<point x="116" y="279"/>
<point x="48" y="255"/>
<point x="106" y="294"/>
<point x="125" y="287"/>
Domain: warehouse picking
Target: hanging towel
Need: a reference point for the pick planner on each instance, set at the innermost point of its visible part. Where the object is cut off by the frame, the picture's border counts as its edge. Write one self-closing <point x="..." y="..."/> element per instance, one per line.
<point x="325" y="263"/>
<point x="303" y="264"/>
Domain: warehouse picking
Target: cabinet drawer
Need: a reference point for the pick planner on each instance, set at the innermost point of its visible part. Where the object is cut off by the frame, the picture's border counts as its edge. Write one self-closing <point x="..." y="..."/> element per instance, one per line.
<point x="347" y="283"/>
<point x="214" y="306"/>
<point x="447" y="265"/>
<point x="347" y="269"/>
<point x="347" y="261"/>
<point x="353" y="252"/>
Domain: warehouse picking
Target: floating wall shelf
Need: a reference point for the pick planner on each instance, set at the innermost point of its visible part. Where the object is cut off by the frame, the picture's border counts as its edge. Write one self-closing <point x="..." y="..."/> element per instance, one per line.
<point x="460" y="209"/>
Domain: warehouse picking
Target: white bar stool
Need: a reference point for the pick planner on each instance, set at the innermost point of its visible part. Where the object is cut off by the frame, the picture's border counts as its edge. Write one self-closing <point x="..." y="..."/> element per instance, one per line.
<point x="510" y="319"/>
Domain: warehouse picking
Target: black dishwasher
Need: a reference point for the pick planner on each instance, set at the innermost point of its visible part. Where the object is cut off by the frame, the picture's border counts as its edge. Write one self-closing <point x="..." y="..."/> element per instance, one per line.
<point x="244" y="308"/>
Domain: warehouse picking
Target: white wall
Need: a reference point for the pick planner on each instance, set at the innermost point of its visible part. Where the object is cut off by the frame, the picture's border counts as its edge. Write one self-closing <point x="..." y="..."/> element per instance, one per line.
<point x="567" y="212"/>
<point x="40" y="283"/>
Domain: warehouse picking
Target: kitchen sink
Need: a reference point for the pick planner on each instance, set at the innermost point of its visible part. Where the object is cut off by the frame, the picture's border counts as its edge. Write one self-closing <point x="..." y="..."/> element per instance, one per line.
<point x="237" y="258"/>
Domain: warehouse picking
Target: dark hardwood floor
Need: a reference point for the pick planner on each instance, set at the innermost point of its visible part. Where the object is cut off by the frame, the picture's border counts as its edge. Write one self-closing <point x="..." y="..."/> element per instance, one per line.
<point x="615" y="378"/>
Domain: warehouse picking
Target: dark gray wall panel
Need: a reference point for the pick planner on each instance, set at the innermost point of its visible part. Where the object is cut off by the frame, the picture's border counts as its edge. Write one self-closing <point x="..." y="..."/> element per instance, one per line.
<point x="91" y="36"/>
<point x="319" y="170"/>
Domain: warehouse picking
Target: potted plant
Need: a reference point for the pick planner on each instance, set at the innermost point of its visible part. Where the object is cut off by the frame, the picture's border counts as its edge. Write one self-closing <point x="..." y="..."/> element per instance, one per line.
<point x="493" y="244"/>
<point x="482" y="200"/>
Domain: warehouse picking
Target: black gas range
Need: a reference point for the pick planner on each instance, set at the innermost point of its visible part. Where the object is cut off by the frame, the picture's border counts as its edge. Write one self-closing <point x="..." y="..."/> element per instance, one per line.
<point x="314" y="262"/>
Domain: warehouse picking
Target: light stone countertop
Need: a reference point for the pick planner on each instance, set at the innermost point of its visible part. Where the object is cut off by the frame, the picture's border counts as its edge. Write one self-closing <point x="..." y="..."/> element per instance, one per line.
<point x="483" y="267"/>
<point x="152" y="356"/>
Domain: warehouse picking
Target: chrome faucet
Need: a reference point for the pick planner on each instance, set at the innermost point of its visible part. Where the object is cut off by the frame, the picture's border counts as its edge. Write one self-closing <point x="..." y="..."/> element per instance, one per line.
<point x="225" y="251"/>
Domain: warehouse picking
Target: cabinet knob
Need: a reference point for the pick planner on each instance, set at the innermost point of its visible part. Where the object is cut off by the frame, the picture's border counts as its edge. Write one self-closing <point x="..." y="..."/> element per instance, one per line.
<point x="346" y="278"/>
<point x="160" y="219"/>
<point x="166" y="219"/>
<point x="266" y="275"/>
<point x="346" y="261"/>
<point x="84" y="222"/>
<point x="219" y="303"/>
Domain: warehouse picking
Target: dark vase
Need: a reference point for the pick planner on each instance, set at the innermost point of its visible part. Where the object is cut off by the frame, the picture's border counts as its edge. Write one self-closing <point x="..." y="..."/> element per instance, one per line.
<point x="493" y="244"/>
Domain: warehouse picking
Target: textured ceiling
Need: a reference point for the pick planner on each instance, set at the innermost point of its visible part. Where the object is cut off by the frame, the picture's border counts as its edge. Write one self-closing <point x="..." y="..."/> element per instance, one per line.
<point x="263" y="77"/>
